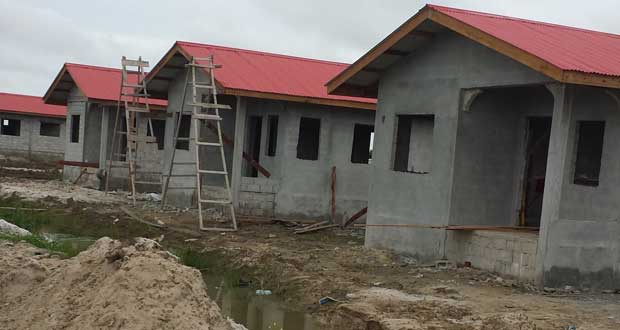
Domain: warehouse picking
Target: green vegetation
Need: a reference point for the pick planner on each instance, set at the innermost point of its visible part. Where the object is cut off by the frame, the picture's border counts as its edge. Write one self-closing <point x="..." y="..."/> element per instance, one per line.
<point x="65" y="248"/>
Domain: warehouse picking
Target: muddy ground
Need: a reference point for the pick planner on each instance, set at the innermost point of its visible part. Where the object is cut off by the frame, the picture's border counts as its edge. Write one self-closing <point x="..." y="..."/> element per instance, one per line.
<point x="372" y="289"/>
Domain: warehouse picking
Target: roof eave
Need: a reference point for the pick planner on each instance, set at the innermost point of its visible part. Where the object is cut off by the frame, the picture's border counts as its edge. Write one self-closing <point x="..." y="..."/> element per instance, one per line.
<point x="301" y="99"/>
<point x="338" y="86"/>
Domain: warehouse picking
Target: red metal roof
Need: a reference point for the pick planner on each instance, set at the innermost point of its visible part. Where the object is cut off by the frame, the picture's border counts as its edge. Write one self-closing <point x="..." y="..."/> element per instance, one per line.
<point x="568" y="48"/>
<point x="30" y="105"/>
<point x="99" y="83"/>
<point x="271" y="73"/>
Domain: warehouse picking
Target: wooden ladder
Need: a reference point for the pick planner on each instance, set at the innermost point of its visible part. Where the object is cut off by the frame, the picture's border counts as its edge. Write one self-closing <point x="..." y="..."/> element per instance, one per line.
<point x="204" y="114"/>
<point x="135" y="100"/>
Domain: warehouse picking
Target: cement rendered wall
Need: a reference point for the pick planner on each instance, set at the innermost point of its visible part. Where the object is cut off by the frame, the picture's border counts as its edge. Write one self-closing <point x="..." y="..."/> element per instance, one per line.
<point x="582" y="232"/>
<point x="429" y="81"/>
<point x="303" y="186"/>
<point x="297" y="188"/>
<point x="30" y="143"/>
<point x="74" y="151"/>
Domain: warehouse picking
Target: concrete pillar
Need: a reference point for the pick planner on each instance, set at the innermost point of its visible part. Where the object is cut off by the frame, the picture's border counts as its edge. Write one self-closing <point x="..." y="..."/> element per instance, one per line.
<point x="241" y="111"/>
<point x="557" y="163"/>
<point x="105" y="124"/>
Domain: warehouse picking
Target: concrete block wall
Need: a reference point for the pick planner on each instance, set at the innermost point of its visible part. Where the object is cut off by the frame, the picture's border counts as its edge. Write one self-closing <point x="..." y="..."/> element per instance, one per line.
<point x="511" y="254"/>
<point x="29" y="143"/>
<point x="257" y="196"/>
<point x="74" y="151"/>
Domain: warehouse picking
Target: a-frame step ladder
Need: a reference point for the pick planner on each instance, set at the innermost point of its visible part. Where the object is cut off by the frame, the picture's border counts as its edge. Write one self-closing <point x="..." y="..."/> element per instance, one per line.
<point x="135" y="100"/>
<point x="204" y="113"/>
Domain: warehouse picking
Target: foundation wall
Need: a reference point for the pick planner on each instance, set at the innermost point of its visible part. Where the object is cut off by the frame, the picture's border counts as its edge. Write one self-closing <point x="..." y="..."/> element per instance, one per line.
<point x="510" y="254"/>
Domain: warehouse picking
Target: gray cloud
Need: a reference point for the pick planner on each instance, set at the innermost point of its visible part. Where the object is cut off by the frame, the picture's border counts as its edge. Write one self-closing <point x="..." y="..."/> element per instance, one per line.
<point x="37" y="36"/>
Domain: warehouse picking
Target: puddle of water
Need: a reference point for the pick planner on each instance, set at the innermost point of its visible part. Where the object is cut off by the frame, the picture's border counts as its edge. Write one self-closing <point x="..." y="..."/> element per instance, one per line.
<point x="239" y="303"/>
<point x="261" y="312"/>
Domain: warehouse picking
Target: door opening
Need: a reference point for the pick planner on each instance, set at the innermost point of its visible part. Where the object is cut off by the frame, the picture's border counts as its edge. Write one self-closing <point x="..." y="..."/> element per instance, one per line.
<point x="255" y="124"/>
<point x="533" y="188"/>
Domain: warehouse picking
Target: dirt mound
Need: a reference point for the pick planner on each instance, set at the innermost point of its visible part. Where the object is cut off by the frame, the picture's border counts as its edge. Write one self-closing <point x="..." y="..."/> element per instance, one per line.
<point x="108" y="286"/>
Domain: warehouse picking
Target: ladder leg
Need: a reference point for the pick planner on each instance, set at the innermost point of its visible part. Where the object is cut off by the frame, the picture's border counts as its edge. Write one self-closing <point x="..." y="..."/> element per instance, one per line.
<point x="112" y="148"/>
<point x="175" y="137"/>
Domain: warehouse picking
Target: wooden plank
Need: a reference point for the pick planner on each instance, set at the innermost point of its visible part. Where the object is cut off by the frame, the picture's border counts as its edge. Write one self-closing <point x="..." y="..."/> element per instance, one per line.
<point x="314" y="229"/>
<point x="139" y="138"/>
<point x="333" y="190"/>
<point x="401" y="226"/>
<point x="138" y="63"/>
<point x="301" y="99"/>
<point x="356" y="216"/>
<point x="78" y="164"/>
<point x="379" y="49"/>
<point x="244" y="154"/>
<point x="84" y="169"/>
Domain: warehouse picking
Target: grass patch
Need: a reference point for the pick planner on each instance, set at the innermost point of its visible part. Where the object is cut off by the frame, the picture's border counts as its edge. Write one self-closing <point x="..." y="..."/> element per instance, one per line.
<point x="66" y="249"/>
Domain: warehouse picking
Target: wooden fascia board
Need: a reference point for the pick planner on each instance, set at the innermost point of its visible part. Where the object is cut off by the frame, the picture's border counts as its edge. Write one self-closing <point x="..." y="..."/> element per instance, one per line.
<point x="162" y="63"/>
<point x="32" y="114"/>
<point x="379" y="49"/>
<point x="55" y="83"/>
<point x="590" y="79"/>
<point x="300" y="99"/>
<point x="501" y="46"/>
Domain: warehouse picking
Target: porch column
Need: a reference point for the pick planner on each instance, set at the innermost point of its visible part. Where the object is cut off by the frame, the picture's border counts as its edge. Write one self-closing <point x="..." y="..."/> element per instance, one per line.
<point x="239" y="143"/>
<point x="557" y="162"/>
<point x="103" y="151"/>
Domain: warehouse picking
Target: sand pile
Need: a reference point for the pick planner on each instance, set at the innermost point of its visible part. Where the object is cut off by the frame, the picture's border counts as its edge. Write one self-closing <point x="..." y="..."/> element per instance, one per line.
<point x="108" y="286"/>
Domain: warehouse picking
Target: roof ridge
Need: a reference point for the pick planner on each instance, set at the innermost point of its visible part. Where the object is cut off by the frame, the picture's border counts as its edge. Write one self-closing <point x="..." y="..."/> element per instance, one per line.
<point x="94" y="67"/>
<point x="524" y="20"/>
<point x="226" y="48"/>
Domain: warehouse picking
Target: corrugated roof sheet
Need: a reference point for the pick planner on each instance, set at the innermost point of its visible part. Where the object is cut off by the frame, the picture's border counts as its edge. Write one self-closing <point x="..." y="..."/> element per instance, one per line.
<point x="101" y="83"/>
<point x="568" y="48"/>
<point x="271" y="73"/>
<point x="30" y="105"/>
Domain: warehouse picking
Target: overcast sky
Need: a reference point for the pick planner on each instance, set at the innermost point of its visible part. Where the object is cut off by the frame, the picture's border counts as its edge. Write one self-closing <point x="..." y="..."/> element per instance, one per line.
<point x="38" y="36"/>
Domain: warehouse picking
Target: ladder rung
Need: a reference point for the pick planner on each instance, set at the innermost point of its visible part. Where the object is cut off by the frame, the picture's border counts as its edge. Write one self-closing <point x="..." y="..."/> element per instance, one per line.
<point x="197" y="85"/>
<point x="207" y="66"/>
<point x="138" y="138"/>
<point x="140" y="63"/>
<point x="210" y="105"/>
<point x="184" y="163"/>
<point x="137" y="109"/>
<point x="212" y="172"/>
<point x="215" y="201"/>
<point x="206" y="117"/>
<point x="209" y="144"/>
<point x="148" y="182"/>
<point x="181" y="188"/>
<point x="181" y="175"/>
<point x="132" y="85"/>
<point x="136" y="94"/>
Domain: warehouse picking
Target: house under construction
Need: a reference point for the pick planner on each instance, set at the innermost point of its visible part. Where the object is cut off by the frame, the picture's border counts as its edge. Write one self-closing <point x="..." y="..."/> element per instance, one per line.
<point x="495" y="144"/>
<point x="290" y="148"/>
<point x="91" y="94"/>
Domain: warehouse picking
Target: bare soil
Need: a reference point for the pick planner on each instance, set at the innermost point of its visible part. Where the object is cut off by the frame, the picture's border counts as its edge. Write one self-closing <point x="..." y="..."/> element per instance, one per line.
<point x="108" y="286"/>
<point x="372" y="289"/>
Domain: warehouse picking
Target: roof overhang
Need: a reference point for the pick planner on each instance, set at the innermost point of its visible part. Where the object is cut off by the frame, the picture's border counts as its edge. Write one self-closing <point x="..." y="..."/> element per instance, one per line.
<point x="173" y="64"/>
<point x="32" y="114"/>
<point x="362" y="77"/>
<point x="58" y="92"/>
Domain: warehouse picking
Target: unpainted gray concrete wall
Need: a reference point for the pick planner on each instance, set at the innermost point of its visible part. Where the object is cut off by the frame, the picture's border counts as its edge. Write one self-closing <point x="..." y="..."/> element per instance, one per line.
<point x="76" y="105"/>
<point x="30" y="143"/>
<point x="429" y="81"/>
<point x="490" y="155"/>
<point x="210" y="157"/>
<point x="582" y="246"/>
<point x="304" y="186"/>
